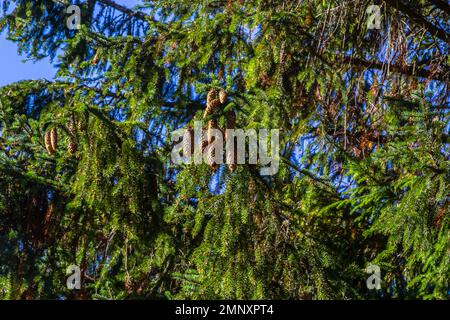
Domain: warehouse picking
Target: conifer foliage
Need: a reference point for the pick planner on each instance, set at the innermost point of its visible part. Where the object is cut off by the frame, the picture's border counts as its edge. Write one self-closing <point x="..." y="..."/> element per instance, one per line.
<point x="86" y="176"/>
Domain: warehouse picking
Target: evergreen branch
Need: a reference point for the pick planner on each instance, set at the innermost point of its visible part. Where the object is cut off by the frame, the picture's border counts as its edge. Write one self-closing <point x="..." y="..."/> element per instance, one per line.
<point x="12" y="171"/>
<point x="406" y="70"/>
<point x="125" y="10"/>
<point x="419" y="19"/>
<point x="131" y="13"/>
<point x="307" y="173"/>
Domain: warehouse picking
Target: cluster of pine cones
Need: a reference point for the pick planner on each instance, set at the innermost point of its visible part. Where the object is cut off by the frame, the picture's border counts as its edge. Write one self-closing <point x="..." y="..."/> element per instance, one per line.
<point x="51" y="141"/>
<point x="214" y="101"/>
<point x="51" y="138"/>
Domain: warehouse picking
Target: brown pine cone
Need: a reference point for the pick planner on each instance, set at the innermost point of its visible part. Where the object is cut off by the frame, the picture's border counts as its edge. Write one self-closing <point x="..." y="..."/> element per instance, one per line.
<point x="212" y="124"/>
<point x="221" y="73"/>
<point x="71" y="127"/>
<point x="204" y="139"/>
<point x="96" y="58"/>
<point x="54" y="138"/>
<point x="212" y="103"/>
<point x="230" y="121"/>
<point x="80" y="125"/>
<point x="188" y="142"/>
<point x="72" y="147"/>
<point x="49" y="213"/>
<point x="232" y="159"/>
<point x="223" y="96"/>
<point x="211" y="107"/>
<point x="440" y="216"/>
<point x="48" y="143"/>
<point x="212" y="95"/>
<point x="210" y="158"/>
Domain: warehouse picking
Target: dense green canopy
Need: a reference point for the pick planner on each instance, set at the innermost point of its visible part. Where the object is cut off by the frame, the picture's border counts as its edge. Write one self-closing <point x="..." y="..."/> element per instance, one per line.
<point x="364" y="178"/>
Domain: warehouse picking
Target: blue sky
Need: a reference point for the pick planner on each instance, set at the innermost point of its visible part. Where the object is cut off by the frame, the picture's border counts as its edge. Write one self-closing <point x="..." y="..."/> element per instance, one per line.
<point x="12" y="65"/>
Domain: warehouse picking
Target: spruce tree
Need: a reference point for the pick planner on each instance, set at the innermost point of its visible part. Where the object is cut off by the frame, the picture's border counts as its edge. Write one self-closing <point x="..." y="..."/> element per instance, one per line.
<point x="87" y="178"/>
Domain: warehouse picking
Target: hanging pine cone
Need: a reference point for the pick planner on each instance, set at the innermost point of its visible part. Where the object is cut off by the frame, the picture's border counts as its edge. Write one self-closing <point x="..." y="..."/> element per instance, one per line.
<point x="83" y="121"/>
<point x="212" y="103"/>
<point x="72" y="147"/>
<point x="230" y="121"/>
<point x="48" y="143"/>
<point x="223" y="96"/>
<point x="188" y="142"/>
<point x="212" y="125"/>
<point x="221" y="73"/>
<point x="232" y="158"/>
<point x="71" y="127"/>
<point x="54" y="138"/>
<point x="204" y="139"/>
<point x="96" y="58"/>
<point x="212" y="95"/>
<point x="440" y="216"/>
<point x="318" y="94"/>
<point x="211" y="107"/>
<point x="229" y="8"/>
<point x="49" y="213"/>
<point x="210" y="159"/>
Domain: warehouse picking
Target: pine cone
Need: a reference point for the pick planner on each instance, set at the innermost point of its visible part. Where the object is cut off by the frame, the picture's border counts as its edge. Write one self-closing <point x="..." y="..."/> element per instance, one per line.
<point x="212" y="125"/>
<point x="72" y="147"/>
<point x="83" y="121"/>
<point x="54" y="138"/>
<point x="204" y="139"/>
<point x="96" y="58"/>
<point x="221" y="73"/>
<point x="211" y="154"/>
<point x="188" y="142"/>
<point x="230" y="121"/>
<point x="231" y="159"/>
<point x="211" y="107"/>
<point x="212" y="103"/>
<point x="71" y="127"/>
<point x="229" y="6"/>
<point x="212" y="95"/>
<point x="223" y="96"/>
<point x="440" y="215"/>
<point x="49" y="214"/>
<point x="48" y="143"/>
<point x="318" y="94"/>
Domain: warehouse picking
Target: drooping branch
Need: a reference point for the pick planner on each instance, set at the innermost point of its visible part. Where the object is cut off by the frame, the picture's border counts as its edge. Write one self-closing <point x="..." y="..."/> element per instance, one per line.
<point x="406" y="70"/>
<point x="419" y="19"/>
<point x="125" y="10"/>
